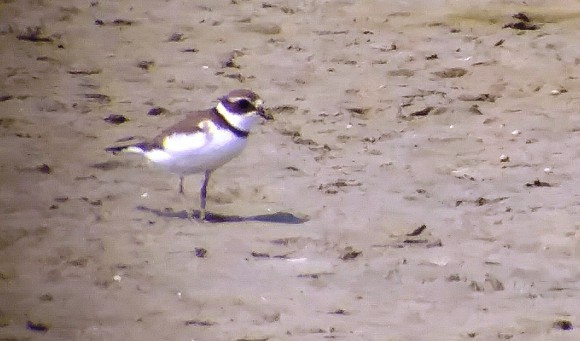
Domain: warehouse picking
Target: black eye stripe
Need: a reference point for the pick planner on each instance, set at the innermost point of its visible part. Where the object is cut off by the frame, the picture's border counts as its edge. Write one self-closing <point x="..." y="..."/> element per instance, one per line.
<point x="244" y="103"/>
<point x="240" y="105"/>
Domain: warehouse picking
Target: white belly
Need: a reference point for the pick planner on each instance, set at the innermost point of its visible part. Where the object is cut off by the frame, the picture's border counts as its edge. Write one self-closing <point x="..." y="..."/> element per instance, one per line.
<point x="195" y="153"/>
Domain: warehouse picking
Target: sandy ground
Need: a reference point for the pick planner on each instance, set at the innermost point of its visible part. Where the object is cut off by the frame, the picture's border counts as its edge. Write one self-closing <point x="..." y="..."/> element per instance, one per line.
<point x="388" y="116"/>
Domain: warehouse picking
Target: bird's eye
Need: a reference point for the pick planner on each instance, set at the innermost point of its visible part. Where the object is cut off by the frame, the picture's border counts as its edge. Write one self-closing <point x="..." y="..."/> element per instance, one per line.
<point x="244" y="104"/>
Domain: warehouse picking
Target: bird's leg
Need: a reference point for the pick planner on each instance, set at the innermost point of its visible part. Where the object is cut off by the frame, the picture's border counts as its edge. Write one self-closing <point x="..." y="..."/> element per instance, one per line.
<point x="203" y="195"/>
<point x="189" y="214"/>
<point x="181" y="184"/>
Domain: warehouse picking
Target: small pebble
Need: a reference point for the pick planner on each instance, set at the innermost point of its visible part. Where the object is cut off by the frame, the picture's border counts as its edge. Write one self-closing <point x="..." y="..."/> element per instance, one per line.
<point x="176" y="37"/>
<point x="263" y="28"/>
<point x="146" y="64"/>
<point x="155" y="111"/>
<point x="504" y="158"/>
<point x="44" y="168"/>
<point x="116" y="119"/>
<point x="548" y="170"/>
<point x="200" y="252"/>
<point x="516" y="132"/>
<point x="558" y="92"/>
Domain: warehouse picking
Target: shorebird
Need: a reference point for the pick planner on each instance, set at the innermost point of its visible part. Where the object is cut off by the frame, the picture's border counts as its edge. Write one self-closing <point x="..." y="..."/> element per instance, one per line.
<point x="204" y="140"/>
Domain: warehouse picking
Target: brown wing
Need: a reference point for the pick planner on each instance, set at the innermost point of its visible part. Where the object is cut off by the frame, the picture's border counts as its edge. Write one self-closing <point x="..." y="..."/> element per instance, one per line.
<point x="190" y="124"/>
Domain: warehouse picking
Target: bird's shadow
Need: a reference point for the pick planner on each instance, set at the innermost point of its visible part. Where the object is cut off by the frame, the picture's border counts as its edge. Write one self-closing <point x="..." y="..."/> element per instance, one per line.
<point x="278" y="217"/>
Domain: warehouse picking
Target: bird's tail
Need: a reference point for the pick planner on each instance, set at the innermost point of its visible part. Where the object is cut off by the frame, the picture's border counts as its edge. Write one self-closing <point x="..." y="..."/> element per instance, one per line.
<point x="138" y="148"/>
<point x="118" y="149"/>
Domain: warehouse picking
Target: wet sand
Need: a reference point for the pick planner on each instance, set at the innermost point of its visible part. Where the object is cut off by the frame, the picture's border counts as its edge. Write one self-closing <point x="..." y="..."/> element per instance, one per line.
<point x="419" y="180"/>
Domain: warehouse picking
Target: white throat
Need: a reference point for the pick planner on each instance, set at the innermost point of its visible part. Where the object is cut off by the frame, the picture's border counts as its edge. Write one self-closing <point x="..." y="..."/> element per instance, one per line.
<point x="242" y="122"/>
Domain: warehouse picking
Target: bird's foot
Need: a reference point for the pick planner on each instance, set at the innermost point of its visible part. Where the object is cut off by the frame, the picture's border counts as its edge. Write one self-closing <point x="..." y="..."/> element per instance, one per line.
<point x="202" y="216"/>
<point x="196" y="215"/>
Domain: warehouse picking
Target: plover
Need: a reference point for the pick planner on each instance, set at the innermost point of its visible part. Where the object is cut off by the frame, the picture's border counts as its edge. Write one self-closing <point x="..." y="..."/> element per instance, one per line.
<point x="204" y="140"/>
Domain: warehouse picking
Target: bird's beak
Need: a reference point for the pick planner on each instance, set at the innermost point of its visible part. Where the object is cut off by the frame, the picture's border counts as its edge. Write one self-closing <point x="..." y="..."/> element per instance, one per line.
<point x="262" y="112"/>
